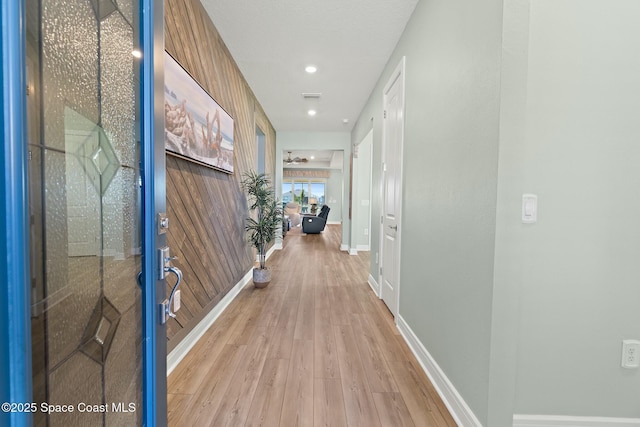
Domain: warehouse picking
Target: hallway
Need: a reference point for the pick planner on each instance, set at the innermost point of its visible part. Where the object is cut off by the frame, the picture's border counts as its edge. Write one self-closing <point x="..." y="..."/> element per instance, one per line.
<point x="315" y="348"/>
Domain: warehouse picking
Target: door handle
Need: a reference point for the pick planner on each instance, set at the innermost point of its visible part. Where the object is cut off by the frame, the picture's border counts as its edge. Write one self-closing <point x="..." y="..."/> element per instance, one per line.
<point x="393" y="227"/>
<point x="173" y="302"/>
<point x="174" y="297"/>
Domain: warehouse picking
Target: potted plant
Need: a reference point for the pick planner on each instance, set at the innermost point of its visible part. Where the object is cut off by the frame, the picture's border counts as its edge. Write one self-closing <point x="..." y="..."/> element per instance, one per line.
<point x="261" y="226"/>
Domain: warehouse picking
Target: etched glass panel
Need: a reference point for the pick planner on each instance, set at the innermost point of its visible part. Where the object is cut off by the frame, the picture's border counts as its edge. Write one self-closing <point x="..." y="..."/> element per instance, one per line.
<point x="85" y="210"/>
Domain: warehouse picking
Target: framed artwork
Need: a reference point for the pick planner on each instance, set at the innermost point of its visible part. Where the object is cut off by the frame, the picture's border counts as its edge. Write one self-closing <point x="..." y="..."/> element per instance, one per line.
<point x="196" y="127"/>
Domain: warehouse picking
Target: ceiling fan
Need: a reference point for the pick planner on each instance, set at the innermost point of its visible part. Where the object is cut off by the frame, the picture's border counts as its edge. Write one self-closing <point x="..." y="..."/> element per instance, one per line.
<point x="295" y="160"/>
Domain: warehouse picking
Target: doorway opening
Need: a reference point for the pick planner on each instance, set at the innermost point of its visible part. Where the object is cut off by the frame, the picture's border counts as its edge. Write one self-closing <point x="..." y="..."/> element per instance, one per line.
<point x="361" y="195"/>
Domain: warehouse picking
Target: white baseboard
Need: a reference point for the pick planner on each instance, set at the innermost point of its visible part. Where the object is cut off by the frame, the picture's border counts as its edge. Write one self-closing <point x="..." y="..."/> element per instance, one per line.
<point x="187" y="343"/>
<point x="363" y="248"/>
<point x="344" y="248"/>
<point x="353" y="251"/>
<point x="374" y="285"/>
<point x="460" y="411"/>
<point x="334" y="222"/>
<point x="520" y="420"/>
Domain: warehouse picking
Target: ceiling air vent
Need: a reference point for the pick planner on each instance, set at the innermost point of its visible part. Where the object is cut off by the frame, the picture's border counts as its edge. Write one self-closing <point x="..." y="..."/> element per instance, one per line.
<point x="311" y="95"/>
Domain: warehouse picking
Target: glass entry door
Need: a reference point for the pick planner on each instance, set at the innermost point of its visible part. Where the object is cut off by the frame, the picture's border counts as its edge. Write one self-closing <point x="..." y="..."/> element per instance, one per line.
<point x="85" y="195"/>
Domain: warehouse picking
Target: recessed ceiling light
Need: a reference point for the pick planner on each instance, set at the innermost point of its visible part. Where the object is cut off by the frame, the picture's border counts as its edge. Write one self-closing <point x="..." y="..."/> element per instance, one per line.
<point x="311" y="69"/>
<point x="311" y="112"/>
<point x="345" y="121"/>
<point x="312" y="157"/>
<point x="136" y="53"/>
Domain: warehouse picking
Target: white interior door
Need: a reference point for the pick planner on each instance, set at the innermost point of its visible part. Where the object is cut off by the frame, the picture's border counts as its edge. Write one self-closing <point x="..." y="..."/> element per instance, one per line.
<point x="393" y="125"/>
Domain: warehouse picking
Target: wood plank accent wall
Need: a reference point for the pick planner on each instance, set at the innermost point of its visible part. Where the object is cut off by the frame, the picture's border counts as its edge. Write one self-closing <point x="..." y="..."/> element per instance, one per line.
<point x="206" y="207"/>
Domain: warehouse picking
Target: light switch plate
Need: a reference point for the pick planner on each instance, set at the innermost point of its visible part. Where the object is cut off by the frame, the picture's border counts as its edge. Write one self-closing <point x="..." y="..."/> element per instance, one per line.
<point x="529" y="208"/>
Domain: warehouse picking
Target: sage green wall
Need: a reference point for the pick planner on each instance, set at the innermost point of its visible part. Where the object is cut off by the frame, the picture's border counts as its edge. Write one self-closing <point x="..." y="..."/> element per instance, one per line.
<point x="334" y="195"/>
<point x="452" y="50"/>
<point x="546" y="322"/>
<point x="580" y="263"/>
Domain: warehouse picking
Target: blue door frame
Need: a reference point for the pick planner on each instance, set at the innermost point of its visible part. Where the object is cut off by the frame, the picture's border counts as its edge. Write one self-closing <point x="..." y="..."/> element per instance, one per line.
<point x="15" y="331"/>
<point x="154" y="202"/>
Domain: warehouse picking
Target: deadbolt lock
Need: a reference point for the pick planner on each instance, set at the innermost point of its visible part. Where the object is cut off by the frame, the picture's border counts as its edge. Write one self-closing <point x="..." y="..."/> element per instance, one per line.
<point x="163" y="223"/>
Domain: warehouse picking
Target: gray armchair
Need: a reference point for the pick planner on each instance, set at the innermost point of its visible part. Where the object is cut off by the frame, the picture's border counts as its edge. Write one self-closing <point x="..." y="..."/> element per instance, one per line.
<point x="315" y="224"/>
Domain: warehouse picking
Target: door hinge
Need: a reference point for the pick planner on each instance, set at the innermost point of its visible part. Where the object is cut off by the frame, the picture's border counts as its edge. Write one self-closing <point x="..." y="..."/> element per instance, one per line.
<point x="385" y="114"/>
<point x="381" y="271"/>
<point x="381" y="219"/>
<point x="30" y="156"/>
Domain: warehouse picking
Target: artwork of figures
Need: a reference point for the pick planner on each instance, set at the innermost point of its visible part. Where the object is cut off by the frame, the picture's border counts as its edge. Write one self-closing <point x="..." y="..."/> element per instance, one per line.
<point x="196" y="127"/>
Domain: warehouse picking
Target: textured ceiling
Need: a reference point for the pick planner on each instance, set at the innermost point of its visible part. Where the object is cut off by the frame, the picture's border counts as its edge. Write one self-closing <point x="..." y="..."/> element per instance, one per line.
<point x="349" y="41"/>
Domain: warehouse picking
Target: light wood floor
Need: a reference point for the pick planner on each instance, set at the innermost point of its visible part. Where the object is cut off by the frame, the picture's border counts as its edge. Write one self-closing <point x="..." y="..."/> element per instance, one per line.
<point x="315" y="348"/>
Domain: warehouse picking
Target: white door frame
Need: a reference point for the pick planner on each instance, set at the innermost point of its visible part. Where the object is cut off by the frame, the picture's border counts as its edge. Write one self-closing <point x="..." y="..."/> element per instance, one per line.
<point x="398" y="74"/>
<point x="356" y="197"/>
<point x="369" y="167"/>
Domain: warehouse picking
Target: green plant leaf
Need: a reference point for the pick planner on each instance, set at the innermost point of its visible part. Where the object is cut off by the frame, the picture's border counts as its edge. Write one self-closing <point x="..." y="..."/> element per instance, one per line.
<point x="261" y="227"/>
